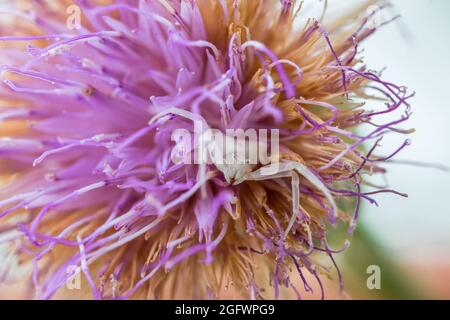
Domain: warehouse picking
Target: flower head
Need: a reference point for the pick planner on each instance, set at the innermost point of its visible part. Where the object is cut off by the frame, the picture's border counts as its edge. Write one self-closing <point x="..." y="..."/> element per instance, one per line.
<point x="90" y="176"/>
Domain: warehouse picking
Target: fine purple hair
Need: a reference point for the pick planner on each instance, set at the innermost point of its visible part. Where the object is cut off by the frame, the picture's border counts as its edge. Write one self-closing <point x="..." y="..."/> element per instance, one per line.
<point x="90" y="180"/>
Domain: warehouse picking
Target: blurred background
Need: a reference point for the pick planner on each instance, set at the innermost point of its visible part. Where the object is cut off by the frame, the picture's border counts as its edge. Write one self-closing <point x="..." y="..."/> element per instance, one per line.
<point x="410" y="238"/>
<point x="407" y="240"/>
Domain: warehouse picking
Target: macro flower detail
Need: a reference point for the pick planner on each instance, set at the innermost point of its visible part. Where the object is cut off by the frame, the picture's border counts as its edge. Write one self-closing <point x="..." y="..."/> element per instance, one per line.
<point x="87" y="150"/>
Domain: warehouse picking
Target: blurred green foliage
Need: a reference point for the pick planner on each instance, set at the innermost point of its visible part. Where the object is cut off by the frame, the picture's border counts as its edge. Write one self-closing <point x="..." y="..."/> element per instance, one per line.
<point x="366" y="250"/>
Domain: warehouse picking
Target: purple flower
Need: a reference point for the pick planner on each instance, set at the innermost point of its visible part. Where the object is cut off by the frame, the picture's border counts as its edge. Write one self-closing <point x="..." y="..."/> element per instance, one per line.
<point x="89" y="181"/>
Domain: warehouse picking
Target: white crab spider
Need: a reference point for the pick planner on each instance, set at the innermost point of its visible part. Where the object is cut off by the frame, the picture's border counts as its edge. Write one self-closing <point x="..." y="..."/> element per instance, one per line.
<point x="227" y="152"/>
<point x="291" y="169"/>
<point x="238" y="171"/>
<point x="238" y="160"/>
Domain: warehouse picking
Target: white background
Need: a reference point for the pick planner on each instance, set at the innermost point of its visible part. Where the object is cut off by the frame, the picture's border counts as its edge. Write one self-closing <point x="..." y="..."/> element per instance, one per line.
<point x="416" y="52"/>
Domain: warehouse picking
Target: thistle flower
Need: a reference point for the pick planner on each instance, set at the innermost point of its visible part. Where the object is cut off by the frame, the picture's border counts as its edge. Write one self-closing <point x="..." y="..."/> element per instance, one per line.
<point x="86" y="148"/>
